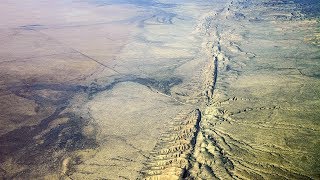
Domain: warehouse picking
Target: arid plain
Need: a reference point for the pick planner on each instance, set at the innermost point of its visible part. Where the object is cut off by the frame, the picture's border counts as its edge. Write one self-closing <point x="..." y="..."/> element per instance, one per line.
<point x="103" y="89"/>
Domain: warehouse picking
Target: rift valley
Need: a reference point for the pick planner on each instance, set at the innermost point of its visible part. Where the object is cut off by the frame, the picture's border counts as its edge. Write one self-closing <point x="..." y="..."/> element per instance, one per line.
<point x="103" y="89"/>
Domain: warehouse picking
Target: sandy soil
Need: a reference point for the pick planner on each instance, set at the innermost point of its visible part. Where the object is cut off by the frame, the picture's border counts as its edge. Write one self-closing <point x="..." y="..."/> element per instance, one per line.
<point x="159" y="90"/>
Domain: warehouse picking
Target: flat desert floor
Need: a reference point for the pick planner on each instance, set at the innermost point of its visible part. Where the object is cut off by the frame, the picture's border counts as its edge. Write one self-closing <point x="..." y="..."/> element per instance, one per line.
<point x="138" y="89"/>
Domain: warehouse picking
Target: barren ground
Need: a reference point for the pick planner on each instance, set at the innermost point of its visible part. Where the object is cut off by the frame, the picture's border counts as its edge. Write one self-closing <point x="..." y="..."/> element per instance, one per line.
<point x="102" y="89"/>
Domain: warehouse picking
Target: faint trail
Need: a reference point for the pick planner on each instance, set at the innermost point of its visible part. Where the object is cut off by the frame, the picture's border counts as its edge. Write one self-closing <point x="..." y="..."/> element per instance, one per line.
<point x="75" y="50"/>
<point x="95" y="60"/>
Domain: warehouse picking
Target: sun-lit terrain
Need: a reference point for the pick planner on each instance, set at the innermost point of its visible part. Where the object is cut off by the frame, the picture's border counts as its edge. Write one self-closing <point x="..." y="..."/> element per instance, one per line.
<point x="137" y="89"/>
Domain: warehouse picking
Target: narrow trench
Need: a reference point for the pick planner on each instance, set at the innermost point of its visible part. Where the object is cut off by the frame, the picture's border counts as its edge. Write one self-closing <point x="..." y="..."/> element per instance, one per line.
<point x="186" y="173"/>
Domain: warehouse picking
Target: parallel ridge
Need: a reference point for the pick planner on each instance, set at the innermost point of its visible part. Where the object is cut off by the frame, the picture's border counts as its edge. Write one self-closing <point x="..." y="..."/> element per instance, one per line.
<point x="187" y="152"/>
<point x="171" y="157"/>
<point x="220" y="154"/>
<point x="204" y="148"/>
